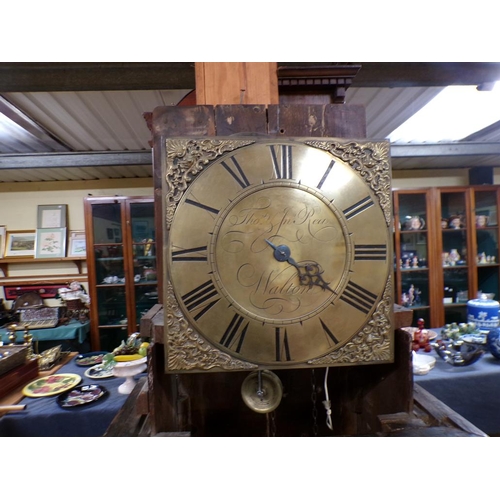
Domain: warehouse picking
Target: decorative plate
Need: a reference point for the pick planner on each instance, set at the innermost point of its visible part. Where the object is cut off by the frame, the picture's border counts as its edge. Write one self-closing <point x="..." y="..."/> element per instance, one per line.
<point x="90" y="358"/>
<point x="82" y="395"/>
<point x="51" y="385"/>
<point x="28" y="300"/>
<point x="98" y="371"/>
<point x="412" y="329"/>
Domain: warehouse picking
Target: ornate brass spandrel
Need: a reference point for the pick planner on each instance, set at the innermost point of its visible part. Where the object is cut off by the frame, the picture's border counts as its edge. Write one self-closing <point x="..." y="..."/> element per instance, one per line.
<point x="373" y="343"/>
<point x="185" y="349"/>
<point x="186" y="158"/>
<point x="371" y="160"/>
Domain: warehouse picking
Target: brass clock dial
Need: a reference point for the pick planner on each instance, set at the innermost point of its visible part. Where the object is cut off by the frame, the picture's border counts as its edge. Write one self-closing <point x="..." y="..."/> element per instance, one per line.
<point x="277" y="253"/>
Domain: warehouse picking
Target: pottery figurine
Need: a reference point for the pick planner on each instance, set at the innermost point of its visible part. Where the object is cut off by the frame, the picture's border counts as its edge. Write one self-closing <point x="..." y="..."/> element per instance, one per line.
<point x="415" y="223"/>
<point x="481" y="220"/>
<point x="455" y="222"/>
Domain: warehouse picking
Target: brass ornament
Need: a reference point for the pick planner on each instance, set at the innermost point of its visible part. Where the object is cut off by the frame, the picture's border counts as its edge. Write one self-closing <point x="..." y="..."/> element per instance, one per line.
<point x="187" y="159"/>
<point x="371" y="160"/>
<point x="187" y="350"/>
<point x="278" y="253"/>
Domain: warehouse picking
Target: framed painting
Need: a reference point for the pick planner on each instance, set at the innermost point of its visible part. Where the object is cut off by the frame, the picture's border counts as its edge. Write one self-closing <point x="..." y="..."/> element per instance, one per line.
<point x="50" y="243"/>
<point x="48" y="291"/>
<point x="20" y="243"/>
<point x="3" y="234"/>
<point x="51" y="216"/>
<point x="77" y="244"/>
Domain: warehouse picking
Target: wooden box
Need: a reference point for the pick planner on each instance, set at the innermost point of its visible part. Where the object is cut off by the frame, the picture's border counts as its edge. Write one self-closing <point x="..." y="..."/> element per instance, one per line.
<point x="18" y="377"/>
<point x="12" y="356"/>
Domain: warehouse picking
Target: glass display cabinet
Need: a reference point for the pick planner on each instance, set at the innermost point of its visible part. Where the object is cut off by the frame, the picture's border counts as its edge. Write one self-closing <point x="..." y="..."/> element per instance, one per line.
<point x="121" y="253"/>
<point x="446" y="250"/>
<point x="455" y="281"/>
<point x="412" y="219"/>
<point x="485" y="241"/>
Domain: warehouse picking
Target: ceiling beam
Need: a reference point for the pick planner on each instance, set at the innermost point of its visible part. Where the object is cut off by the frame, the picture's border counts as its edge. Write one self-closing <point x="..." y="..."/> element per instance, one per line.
<point x="445" y="149"/>
<point x="124" y="158"/>
<point x="58" y="77"/>
<point x="425" y="74"/>
<point x="61" y="77"/>
<point x="66" y="160"/>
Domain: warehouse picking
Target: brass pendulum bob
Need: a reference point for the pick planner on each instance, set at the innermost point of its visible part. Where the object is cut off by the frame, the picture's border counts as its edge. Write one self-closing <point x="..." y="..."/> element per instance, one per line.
<point x="262" y="391"/>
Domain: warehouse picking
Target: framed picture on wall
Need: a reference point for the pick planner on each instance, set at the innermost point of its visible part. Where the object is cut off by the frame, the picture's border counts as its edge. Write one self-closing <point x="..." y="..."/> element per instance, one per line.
<point x="20" y="243"/>
<point x="50" y="243"/>
<point x="51" y="216"/>
<point x="3" y="234"/>
<point x="77" y="246"/>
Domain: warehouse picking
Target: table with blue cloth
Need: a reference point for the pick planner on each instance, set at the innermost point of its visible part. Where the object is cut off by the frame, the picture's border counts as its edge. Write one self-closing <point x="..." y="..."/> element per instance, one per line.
<point x="43" y="417"/>
<point x="74" y="333"/>
<point x="472" y="391"/>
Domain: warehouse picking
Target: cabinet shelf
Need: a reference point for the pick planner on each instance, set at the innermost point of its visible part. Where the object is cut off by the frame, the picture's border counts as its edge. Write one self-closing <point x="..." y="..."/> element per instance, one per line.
<point x="412" y="269"/>
<point x="6" y="263"/>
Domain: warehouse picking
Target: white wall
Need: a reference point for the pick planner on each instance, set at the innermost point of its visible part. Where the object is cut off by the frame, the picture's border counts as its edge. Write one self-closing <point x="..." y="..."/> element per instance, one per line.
<point x="18" y="211"/>
<point x="415" y="179"/>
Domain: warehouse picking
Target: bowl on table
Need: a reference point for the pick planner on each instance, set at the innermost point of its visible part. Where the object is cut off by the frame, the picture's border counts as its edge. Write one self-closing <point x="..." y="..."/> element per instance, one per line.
<point x="129" y="369"/>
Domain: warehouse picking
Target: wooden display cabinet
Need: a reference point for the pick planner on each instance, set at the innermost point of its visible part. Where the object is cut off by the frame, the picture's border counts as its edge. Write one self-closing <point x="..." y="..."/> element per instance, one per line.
<point x="121" y="259"/>
<point x="446" y="250"/>
<point x="414" y="253"/>
<point x="485" y="237"/>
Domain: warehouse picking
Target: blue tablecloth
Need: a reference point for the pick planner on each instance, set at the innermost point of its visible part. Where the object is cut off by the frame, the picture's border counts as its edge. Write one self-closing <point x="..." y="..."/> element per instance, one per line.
<point x="73" y="330"/>
<point x="43" y="417"/>
<point x="472" y="391"/>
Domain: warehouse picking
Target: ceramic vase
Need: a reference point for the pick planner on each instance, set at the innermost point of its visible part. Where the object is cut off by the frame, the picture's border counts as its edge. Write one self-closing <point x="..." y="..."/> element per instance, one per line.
<point x="493" y="342"/>
<point x="483" y="312"/>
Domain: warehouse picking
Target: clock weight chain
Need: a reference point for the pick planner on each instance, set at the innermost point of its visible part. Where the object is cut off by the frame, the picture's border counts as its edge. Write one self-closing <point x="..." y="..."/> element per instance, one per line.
<point x="314" y="397"/>
<point x="271" y="424"/>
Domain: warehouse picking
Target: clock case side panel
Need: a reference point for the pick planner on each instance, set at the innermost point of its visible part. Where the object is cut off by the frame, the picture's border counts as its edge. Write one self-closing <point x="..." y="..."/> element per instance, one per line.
<point x="187" y="350"/>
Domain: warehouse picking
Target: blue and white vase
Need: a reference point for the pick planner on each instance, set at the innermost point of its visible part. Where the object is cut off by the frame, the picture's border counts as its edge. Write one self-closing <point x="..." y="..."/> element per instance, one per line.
<point x="493" y="342"/>
<point x="483" y="312"/>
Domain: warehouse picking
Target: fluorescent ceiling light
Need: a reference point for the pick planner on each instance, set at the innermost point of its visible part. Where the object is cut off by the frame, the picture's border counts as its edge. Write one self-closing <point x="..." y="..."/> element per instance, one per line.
<point x="455" y="113"/>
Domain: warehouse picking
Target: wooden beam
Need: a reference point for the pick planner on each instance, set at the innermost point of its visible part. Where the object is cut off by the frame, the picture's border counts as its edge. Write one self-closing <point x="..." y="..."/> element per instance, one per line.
<point x="418" y="74"/>
<point x="57" y="77"/>
<point x="236" y="83"/>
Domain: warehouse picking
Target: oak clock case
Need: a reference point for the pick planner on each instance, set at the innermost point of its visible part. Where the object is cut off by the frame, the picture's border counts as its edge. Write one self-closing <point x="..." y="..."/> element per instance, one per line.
<point x="277" y="253"/>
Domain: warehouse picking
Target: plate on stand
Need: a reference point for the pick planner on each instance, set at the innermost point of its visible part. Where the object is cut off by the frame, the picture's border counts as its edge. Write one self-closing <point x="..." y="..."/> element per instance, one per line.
<point x="90" y="358"/>
<point x="98" y="371"/>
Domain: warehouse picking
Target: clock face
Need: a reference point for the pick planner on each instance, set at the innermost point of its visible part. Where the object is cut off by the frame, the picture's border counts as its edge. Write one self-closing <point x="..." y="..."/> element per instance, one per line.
<point x="276" y="251"/>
